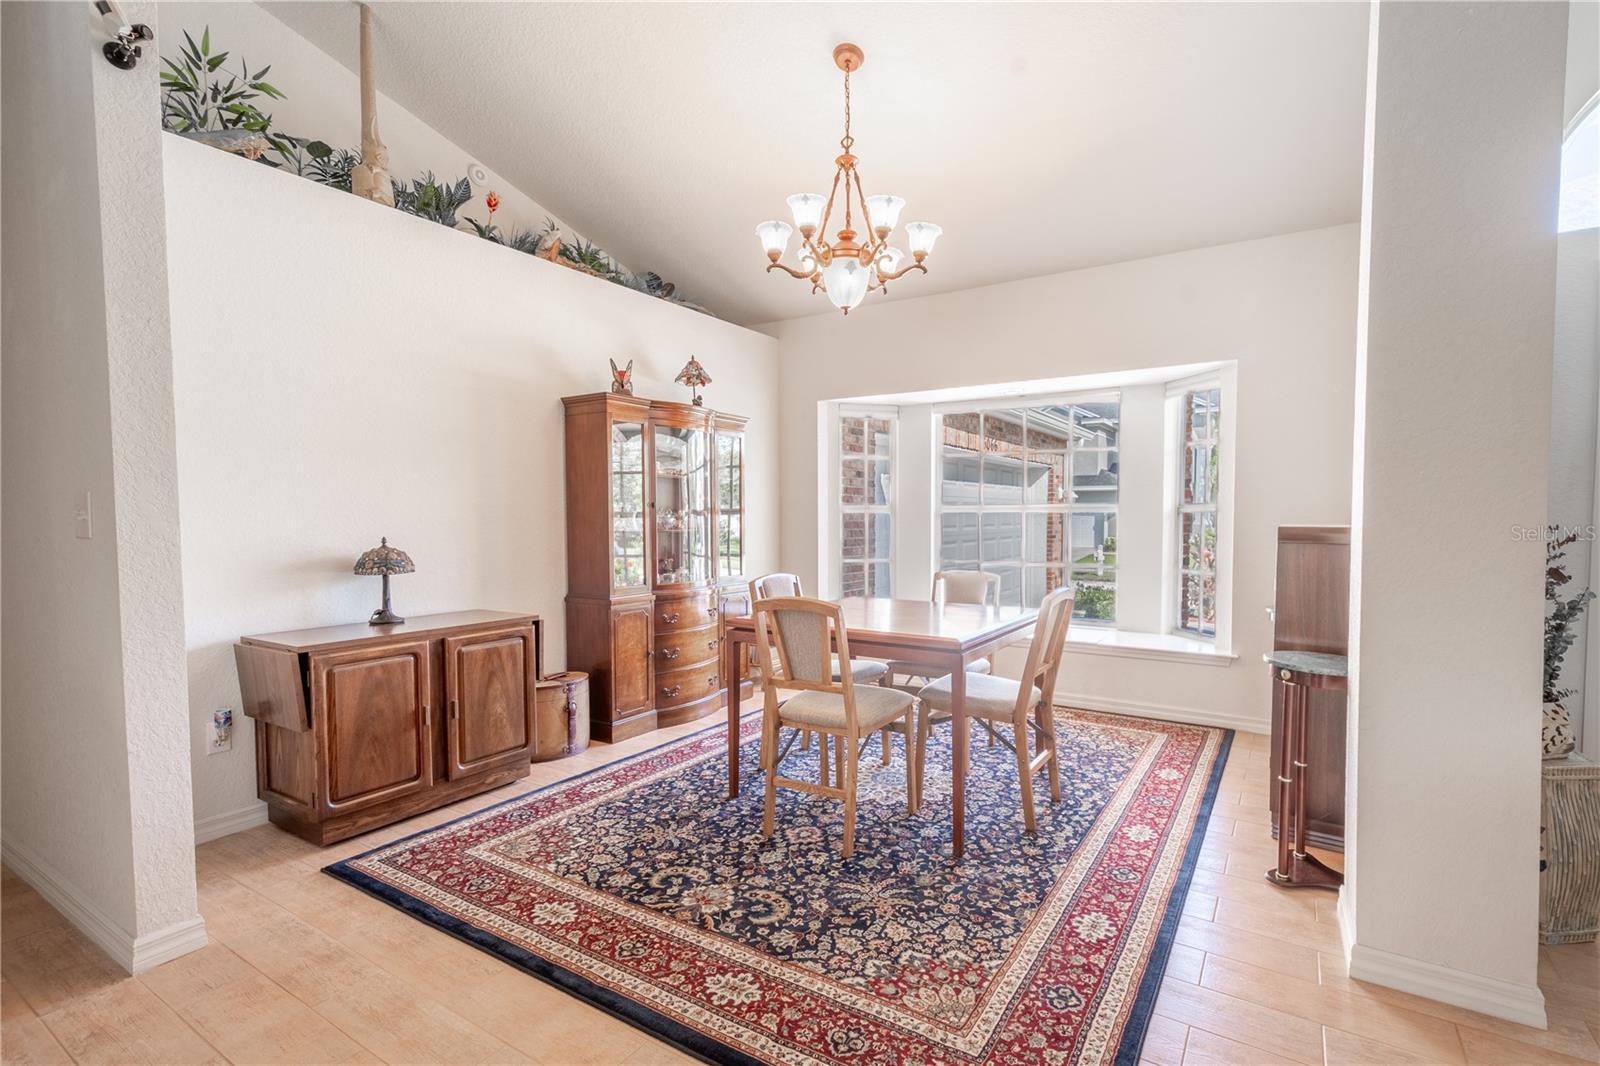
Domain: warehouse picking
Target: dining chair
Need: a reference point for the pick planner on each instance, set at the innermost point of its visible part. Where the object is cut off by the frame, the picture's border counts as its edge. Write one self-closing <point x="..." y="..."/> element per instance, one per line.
<point x="862" y="670"/>
<point x="949" y="586"/>
<point x="999" y="700"/>
<point x="796" y="635"/>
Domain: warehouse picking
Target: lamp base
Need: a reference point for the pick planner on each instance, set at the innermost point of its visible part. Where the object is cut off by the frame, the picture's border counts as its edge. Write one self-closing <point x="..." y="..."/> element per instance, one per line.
<point x="384" y="617"/>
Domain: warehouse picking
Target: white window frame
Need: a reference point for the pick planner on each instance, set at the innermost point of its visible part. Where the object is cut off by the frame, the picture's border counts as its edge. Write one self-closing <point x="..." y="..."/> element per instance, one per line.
<point x="979" y="509"/>
<point x="1172" y="590"/>
<point x="839" y="509"/>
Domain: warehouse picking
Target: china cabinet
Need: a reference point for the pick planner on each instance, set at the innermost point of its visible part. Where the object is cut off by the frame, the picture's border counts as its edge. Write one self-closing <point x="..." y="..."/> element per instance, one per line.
<point x="655" y="521"/>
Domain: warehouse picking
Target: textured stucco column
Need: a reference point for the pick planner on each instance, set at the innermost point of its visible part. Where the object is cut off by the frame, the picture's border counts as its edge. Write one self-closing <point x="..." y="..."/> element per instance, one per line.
<point x="1454" y="361"/>
<point x="98" y="813"/>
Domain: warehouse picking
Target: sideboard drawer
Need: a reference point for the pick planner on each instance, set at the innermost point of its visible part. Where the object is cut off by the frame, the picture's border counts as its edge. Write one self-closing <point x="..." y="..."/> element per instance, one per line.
<point x="685" y="612"/>
<point x="677" y="687"/>
<point x="680" y="648"/>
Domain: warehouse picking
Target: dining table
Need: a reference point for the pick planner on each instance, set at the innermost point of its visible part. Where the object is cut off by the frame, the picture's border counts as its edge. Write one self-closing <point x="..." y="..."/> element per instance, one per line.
<point x="945" y="638"/>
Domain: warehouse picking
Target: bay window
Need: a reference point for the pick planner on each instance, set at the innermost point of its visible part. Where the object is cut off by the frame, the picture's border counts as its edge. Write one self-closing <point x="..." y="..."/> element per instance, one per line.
<point x="866" y="462"/>
<point x="1199" y="429"/>
<point x="1029" y="493"/>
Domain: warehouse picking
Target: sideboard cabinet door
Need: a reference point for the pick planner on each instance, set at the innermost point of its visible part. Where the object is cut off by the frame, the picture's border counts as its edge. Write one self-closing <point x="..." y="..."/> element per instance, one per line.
<point x="632" y="645"/>
<point x="372" y="719"/>
<point x="489" y="686"/>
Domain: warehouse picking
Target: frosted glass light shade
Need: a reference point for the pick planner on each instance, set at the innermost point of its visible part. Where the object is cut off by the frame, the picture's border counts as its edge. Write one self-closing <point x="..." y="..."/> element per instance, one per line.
<point x="807" y="210"/>
<point x="920" y="236"/>
<point x="846" y="281"/>
<point x="889" y="261"/>
<point x="774" y="237"/>
<point x="885" y="211"/>
<point x="808" y="263"/>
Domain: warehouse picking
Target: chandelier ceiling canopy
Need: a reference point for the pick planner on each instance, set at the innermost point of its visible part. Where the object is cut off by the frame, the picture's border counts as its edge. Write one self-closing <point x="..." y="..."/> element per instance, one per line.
<point x="854" y="263"/>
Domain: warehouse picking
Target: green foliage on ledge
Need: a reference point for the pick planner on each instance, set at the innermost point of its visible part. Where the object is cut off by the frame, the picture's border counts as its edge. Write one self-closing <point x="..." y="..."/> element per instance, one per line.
<point x="203" y="100"/>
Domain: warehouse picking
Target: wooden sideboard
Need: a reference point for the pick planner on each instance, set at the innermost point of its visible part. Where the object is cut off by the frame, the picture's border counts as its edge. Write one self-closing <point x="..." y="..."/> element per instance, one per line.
<point x="359" y="725"/>
<point x="1311" y="613"/>
<point x="655" y="519"/>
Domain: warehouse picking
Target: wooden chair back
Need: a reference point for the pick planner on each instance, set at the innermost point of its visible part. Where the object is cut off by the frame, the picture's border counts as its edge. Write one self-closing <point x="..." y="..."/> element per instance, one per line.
<point x="1047" y="648"/>
<point x="805" y="633"/>
<point x="775" y="585"/>
<point x="966" y="586"/>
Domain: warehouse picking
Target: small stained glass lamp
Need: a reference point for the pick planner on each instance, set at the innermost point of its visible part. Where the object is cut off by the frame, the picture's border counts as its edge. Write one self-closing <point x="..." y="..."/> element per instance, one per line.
<point x="383" y="561"/>
<point x="694" y="375"/>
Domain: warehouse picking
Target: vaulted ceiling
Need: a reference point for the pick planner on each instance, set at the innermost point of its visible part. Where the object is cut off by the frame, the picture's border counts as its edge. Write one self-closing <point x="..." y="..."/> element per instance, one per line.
<point x="1041" y="137"/>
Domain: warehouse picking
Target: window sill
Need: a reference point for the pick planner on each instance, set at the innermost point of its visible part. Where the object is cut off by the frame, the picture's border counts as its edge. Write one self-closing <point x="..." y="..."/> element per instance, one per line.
<point x="1166" y="647"/>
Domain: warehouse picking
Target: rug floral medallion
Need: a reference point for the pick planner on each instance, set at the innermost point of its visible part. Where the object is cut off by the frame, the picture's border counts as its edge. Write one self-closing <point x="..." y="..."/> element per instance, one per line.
<point x="642" y="888"/>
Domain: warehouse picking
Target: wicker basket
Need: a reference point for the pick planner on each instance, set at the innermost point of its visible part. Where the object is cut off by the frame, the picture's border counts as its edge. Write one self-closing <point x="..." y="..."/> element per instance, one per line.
<point x="1569" y="886"/>
<point x="561" y="716"/>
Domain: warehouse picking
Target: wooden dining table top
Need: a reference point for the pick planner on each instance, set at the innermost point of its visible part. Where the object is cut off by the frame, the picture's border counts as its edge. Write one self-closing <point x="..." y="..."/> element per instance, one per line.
<point x="924" y="624"/>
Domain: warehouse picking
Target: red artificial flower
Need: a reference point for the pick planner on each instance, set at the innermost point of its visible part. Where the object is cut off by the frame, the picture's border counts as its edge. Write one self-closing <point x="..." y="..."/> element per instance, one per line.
<point x="493" y="200"/>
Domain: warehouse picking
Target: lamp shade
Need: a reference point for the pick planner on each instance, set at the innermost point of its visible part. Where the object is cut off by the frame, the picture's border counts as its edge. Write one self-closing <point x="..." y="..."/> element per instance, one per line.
<point x="889" y="261"/>
<point x="885" y="211"/>
<point x="774" y="237"/>
<point x="693" y="374"/>
<point x="807" y="210"/>
<point x="846" y="281"/>
<point x="920" y="236"/>
<point x="384" y="560"/>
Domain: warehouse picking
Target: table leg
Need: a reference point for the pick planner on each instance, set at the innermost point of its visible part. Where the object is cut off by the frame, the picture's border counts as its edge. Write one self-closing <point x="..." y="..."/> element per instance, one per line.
<point x="730" y="685"/>
<point x="958" y="775"/>
<point x="1300" y="774"/>
<point x="1286" y="749"/>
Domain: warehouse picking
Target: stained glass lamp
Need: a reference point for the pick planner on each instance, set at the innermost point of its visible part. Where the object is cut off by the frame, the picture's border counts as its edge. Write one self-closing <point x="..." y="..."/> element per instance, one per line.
<point x="383" y="561"/>
<point x="694" y="375"/>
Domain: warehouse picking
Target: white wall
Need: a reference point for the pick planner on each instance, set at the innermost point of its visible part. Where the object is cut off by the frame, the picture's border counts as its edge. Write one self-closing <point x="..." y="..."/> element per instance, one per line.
<point x="1575" y="391"/>
<point x="97" y="803"/>
<point x="1454" y="372"/>
<point x="322" y="100"/>
<point x="383" y="376"/>
<point x="1283" y="308"/>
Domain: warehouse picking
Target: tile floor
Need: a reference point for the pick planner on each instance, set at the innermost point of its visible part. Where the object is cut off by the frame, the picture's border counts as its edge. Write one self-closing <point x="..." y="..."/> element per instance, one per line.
<point x="303" y="969"/>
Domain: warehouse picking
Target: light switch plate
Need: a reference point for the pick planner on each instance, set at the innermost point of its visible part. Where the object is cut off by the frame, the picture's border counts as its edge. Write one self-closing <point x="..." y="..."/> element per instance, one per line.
<point x="83" y="519"/>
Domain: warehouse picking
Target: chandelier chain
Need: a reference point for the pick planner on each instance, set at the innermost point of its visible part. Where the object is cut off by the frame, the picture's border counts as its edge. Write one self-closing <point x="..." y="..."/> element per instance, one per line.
<point x="847" y="141"/>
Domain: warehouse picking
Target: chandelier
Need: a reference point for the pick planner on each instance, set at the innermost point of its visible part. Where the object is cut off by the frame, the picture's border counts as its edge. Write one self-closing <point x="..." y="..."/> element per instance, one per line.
<point x="847" y="270"/>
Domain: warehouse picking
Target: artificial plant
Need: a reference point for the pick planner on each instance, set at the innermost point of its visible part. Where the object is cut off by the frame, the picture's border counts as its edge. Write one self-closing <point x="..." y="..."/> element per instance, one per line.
<point x="1561" y="619"/>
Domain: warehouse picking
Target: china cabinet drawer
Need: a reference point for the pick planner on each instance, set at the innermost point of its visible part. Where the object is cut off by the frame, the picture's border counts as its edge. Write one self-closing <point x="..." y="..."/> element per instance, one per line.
<point x="675" y="687"/>
<point x="677" y="649"/>
<point x="686" y="612"/>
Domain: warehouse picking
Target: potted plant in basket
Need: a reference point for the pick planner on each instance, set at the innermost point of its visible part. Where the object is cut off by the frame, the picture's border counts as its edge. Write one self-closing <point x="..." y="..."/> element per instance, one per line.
<point x="1559" y="633"/>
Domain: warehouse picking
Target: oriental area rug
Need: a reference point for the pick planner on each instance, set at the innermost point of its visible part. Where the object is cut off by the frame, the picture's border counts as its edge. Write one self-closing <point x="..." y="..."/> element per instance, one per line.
<point x="643" y="889"/>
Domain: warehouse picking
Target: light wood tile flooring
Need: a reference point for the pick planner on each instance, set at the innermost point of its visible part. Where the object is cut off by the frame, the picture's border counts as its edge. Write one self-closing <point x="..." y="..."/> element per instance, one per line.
<point x="303" y="969"/>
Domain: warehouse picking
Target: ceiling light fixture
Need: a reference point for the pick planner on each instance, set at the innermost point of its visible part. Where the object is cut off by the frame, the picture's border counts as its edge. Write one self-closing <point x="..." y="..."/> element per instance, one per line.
<point x="847" y="270"/>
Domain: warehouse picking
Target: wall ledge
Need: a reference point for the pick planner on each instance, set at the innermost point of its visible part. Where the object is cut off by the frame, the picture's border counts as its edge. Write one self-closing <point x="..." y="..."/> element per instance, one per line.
<point x="1162" y="712"/>
<point x="133" y="954"/>
<point x="1460" y="988"/>
<point x="229" y="822"/>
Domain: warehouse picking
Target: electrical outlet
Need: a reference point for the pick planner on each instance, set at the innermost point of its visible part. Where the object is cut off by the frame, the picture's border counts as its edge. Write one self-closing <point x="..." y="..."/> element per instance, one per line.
<point x="221" y="738"/>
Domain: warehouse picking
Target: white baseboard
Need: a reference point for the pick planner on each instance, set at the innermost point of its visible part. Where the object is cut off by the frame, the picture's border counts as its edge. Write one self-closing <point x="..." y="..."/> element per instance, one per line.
<point x="133" y="954"/>
<point x="1459" y="988"/>
<point x="230" y="822"/>
<point x="1164" y="711"/>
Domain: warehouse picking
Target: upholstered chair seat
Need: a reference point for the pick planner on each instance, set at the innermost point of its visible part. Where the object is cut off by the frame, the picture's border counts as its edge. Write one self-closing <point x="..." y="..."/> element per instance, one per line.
<point x="979" y="666"/>
<point x="987" y="696"/>
<point x="875" y="708"/>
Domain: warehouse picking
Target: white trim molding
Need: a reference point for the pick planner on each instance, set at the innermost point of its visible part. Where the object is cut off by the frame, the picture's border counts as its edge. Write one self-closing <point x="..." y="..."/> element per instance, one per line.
<point x="1460" y="988"/>
<point x="1164" y="712"/>
<point x="229" y="822"/>
<point x="133" y="954"/>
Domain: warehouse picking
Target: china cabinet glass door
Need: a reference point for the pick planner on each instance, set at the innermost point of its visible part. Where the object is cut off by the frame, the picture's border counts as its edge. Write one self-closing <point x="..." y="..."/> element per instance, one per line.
<point x="627" y="505"/>
<point x="730" y="504"/>
<point x="682" y="506"/>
